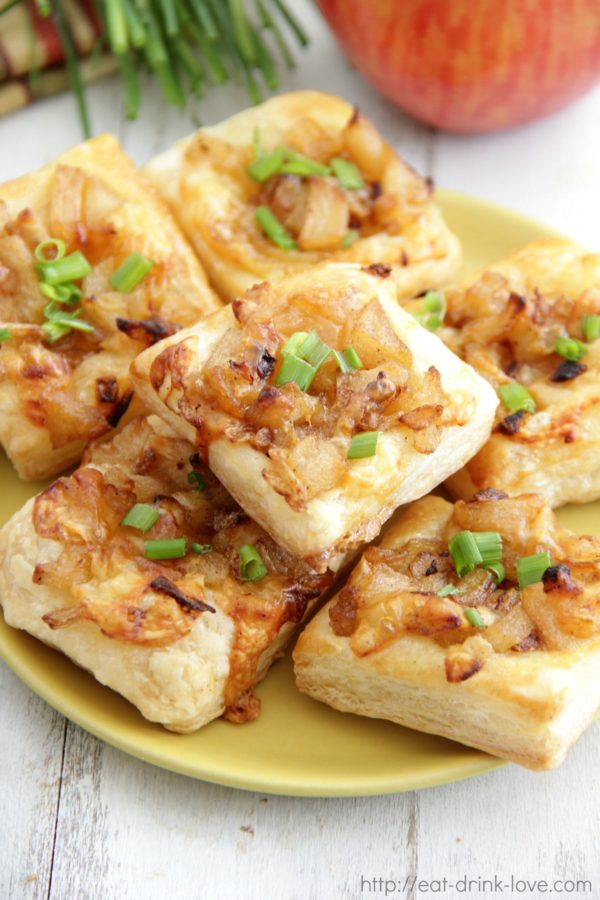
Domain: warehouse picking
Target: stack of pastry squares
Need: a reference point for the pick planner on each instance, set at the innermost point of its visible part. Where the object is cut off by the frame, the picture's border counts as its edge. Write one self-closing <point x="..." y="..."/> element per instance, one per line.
<point x="259" y="402"/>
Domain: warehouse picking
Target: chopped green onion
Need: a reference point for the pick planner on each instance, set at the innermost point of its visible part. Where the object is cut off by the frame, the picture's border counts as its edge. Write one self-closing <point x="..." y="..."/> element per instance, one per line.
<point x="69" y="268"/>
<point x="196" y="480"/>
<point x="252" y="567"/>
<point x="464" y="552"/>
<point x="296" y="370"/>
<point x="5" y="335"/>
<point x="61" y="293"/>
<point x="352" y="358"/>
<point x="363" y="445"/>
<point x="66" y="320"/>
<point x="349" y="238"/>
<point x="516" y="398"/>
<point x="202" y="549"/>
<point x="273" y="228"/>
<point x="54" y="332"/>
<point x="570" y="348"/>
<point x="58" y="246"/>
<point x="141" y="516"/>
<point x="298" y="164"/>
<point x="130" y="273"/>
<point x="434" y="301"/>
<point x="447" y="590"/>
<point x="474" y="618"/>
<point x="531" y="568"/>
<point x="590" y="326"/>
<point x="346" y="173"/>
<point x="489" y="544"/>
<point x="266" y="165"/>
<point x="174" y="548"/>
<point x="290" y="348"/>
<point x="313" y="350"/>
<point x="498" y="571"/>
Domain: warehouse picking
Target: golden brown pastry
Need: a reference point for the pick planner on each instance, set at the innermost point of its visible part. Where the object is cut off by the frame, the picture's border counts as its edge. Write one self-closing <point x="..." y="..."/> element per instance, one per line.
<point x="509" y="324"/>
<point x="370" y="207"/>
<point x="184" y="638"/>
<point x="386" y="412"/>
<point x="59" y="386"/>
<point x="515" y="672"/>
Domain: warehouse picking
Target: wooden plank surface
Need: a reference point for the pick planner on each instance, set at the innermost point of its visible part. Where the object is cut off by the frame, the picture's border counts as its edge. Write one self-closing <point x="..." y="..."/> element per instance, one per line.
<point x="79" y="819"/>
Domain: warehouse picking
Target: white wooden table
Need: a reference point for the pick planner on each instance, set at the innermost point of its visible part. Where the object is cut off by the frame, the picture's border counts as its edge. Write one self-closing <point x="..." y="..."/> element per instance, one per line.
<point x="79" y="819"/>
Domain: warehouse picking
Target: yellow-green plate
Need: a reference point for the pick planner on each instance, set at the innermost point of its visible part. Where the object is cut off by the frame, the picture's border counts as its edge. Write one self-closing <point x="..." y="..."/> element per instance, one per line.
<point x="297" y="746"/>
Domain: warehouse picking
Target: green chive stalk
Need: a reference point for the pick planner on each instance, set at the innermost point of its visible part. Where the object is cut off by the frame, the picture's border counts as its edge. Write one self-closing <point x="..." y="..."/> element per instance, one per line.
<point x="188" y="45"/>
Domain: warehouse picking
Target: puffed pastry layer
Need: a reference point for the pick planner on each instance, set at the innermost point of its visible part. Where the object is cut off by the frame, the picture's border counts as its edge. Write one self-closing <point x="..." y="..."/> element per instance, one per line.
<point x="282" y="451"/>
<point x="56" y="396"/>
<point x="185" y="639"/>
<point x="392" y="219"/>
<point x="521" y="680"/>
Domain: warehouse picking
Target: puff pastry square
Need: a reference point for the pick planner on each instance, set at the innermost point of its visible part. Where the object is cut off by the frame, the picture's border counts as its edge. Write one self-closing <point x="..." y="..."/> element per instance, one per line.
<point x="282" y="451"/>
<point x="55" y="397"/>
<point x="505" y="324"/>
<point x="186" y="639"/>
<point x="390" y="646"/>
<point x="392" y="218"/>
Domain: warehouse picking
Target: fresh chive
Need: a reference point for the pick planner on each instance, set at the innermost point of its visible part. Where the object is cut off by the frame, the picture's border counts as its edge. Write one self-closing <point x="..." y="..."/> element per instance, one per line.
<point x="346" y="173"/>
<point x="174" y="548"/>
<point x="196" y="480"/>
<point x="72" y="62"/>
<point x="313" y="350"/>
<point x="290" y="347"/>
<point x="265" y="165"/>
<point x="252" y="567"/>
<point x="464" y="552"/>
<point x="498" y="571"/>
<point x="135" y="26"/>
<point x="130" y="273"/>
<point x="516" y="398"/>
<point x="590" y="326"/>
<point x="141" y="516"/>
<point x="447" y="590"/>
<point x="349" y="238"/>
<point x="169" y="15"/>
<point x="116" y="26"/>
<point x="69" y="268"/>
<point x="531" y="568"/>
<point x="295" y="370"/>
<point x="59" y="247"/>
<point x="269" y="22"/>
<point x="489" y="544"/>
<point x="298" y="164"/>
<point x="272" y="227"/>
<point x="202" y="549"/>
<point x="473" y="617"/>
<point x="265" y="63"/>
<point x="5" y="335"/>
<point x="131" y="84"/>
<point x="292" y="22"/>
<point x="363" y="445"/>
<point x="241" y="30"/>
<point x="570" y="348"/>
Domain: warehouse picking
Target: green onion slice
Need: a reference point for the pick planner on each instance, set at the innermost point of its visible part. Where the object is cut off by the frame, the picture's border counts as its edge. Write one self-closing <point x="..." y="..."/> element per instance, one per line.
<point x="202" y="549"/>
<point x="56" y="244"/>
<point x="141" y="516"/>
<point x="54" y="332"/>
<point x="516" y="398"/>
<point x="5" y="335"/>
<point x="346" y="173"/>
<point x="349" y="238"/>
<point x="363" y="445"/>
<point x="296" y="370"/>
<point x="590" y="326"/>
<point x="130" y="273"/>
<point x="352" y="358"/>
<point x="68" y="321"/>
<point x="473" y="617"/>
<point x="166" y="549"/>
<point x="290" y="348"/>
<point x="252" y="567"/>
<point x="272" y="227"/>
<point x="265" y="165"/>
<point x="298" y="164"/>
<point x="447" y="590"/>
<point x="69" y="268"/>
<point x="531" y="568"/>
<point x="313" y="350"/>
<point x="195" y="479"/>
<point x="570" y="348"/>
<point x="489" y="544"/>
<point x="61" y="293"/>
<point x="498" y="571"/>
<point x="464" y="552"/>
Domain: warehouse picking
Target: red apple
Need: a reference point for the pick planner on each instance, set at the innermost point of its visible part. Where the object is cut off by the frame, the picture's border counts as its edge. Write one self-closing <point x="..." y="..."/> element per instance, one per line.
<point x="472" y="65"/>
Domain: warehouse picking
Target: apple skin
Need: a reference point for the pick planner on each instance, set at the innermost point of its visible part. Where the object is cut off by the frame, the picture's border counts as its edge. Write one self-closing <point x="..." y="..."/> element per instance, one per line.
<point x="472" y="65"/>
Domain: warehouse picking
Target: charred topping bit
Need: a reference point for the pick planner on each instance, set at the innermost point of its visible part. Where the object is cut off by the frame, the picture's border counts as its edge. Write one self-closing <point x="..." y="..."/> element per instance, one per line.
<point x="120" y="410"/>
<point x="532" y="568"/>
<point x="516" y="398"/>
<point x="512" y="423"/>
<point x="432" y="569"/>
<point x="381" y="270"/>
<point x="342" y="615"/>
<point x="148" y="330"/>
<point x="590" y="327"/>
<point x="558" y="578"/>
<point x="163" y="586"/>
<point x="266" y="364"/>
<point x="107" y="390"/>
<point x="567" y="370"/>
<point x="131" y="271"/>
<point x="141" y="516"/>
<point x="531" y="642"/>
<point x="175" y="548"/>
